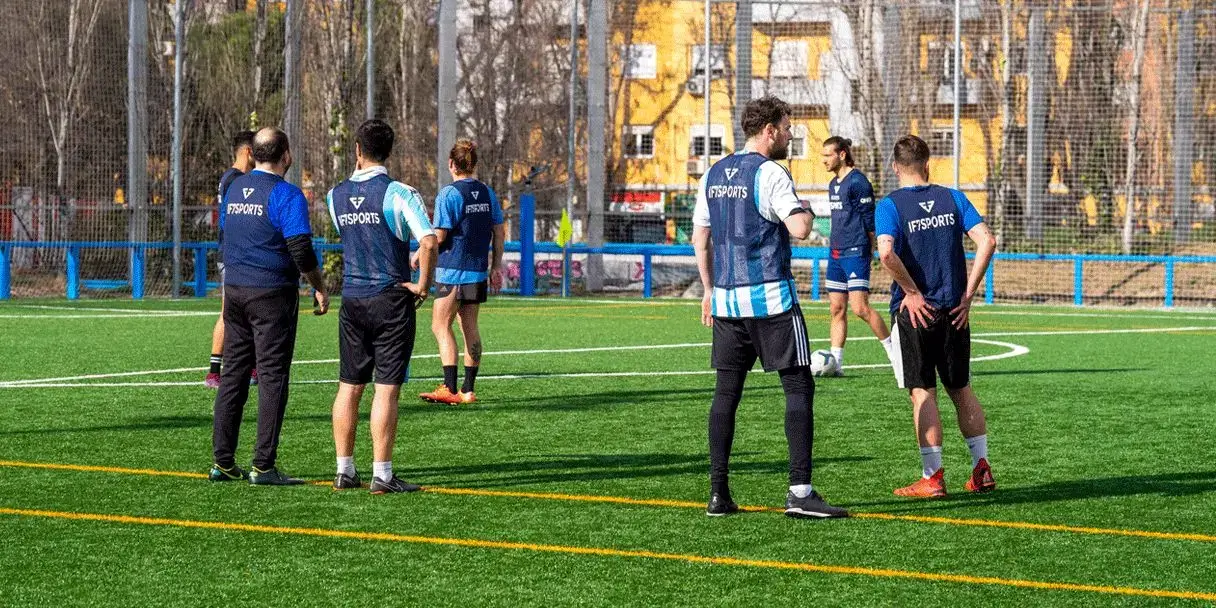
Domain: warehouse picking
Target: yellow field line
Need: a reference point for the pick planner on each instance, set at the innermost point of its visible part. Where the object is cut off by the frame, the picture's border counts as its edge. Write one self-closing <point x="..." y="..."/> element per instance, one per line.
<point x="680" y="504"/>
<point x="606" y="552"/>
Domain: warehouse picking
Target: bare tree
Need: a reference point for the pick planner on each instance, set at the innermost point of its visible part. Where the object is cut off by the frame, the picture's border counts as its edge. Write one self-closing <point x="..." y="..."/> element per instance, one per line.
<point x="1140" y="29"/>
<point x="62" y="60"/>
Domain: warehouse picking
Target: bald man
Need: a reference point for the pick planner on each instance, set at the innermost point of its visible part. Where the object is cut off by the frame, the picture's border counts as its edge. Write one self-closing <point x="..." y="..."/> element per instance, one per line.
<point x="267" y="248"/>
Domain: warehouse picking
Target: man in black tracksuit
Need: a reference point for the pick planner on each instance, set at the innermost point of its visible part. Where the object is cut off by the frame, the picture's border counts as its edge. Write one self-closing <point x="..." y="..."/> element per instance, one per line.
<point x="267" y="247"/>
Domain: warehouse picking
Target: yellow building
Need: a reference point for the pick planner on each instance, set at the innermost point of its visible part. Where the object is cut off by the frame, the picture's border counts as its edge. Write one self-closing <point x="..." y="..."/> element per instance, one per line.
<point x="799" y="53"/>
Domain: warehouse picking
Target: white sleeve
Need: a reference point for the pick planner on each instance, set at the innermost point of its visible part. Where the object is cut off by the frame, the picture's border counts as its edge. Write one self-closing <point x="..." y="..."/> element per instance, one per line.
<point x="700" y="212"/>
<point x="778" y="199"/>
<point x="403" y="209"/>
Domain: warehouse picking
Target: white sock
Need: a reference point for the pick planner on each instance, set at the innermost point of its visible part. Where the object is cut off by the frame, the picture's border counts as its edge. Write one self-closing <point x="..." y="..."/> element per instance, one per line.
<point x="346" y="465"/>
<point x="979" y="448"/>
<point x="383" y="470"/>
<point x="801" y="491"/>
<point x="838" y="352"/>
<point x="886" y="345"/>
<point x="930" y="460"/>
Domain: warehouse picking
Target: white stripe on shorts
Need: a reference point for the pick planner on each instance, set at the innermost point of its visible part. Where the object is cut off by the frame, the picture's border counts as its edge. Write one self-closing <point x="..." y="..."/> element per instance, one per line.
<point x="897" y="357"/>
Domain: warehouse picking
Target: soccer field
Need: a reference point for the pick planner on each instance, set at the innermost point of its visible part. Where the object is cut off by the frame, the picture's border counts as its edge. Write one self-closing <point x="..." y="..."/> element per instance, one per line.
<point x="580" y="478"/>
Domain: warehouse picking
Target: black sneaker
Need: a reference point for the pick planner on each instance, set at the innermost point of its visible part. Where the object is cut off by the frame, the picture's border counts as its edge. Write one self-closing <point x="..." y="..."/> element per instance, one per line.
<point x="347" y="482"/>
<point x="813" y="506"/>
<point x="720" y="505"/>
<point x="393" y="486"/>
<point x="233" y="473"/>
<point x="272" y="477"/>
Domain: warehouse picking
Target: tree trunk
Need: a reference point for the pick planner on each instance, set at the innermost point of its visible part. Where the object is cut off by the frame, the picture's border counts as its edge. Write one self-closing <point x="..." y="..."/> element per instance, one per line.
<point x="1129" y="216"/>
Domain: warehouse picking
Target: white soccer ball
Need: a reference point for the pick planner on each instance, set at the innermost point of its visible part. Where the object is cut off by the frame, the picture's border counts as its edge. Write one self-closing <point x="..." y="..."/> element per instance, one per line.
<point x="823" y="363"/>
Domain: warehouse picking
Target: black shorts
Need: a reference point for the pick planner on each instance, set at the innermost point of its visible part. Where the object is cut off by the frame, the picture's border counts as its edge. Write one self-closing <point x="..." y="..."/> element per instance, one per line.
<point x="917" y="353"/>
<point x="376" y="333"/>
<point x="467" y="293"/>
<point x="778" y="341"/>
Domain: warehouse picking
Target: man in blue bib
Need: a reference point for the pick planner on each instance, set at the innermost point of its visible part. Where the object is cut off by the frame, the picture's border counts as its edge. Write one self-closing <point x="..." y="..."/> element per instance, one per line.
<point x="745" y="213"/>
<point x="267" y="247"/>
<point x="377" y="322"/>
<point x="851" y="198"/>
<point x="920" y="231"/>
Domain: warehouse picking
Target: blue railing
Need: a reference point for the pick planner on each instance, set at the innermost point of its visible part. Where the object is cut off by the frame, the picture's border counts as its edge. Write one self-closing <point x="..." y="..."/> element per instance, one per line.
<point x="528" y="250"/>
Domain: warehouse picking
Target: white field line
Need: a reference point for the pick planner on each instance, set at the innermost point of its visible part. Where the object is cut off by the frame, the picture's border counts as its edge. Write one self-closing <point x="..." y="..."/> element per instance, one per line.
<point x="116" y="316"/>
<point x="1015" y="350"/>
<point x="975" y="338"/>
<point x="151" y="311"/>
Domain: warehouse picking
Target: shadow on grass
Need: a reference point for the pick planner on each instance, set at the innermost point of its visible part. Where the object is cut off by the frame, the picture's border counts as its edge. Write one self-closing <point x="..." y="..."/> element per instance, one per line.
<point x="596" y="467"/>
<point x="411" y="407"/>
<point x="1167" y="485"/>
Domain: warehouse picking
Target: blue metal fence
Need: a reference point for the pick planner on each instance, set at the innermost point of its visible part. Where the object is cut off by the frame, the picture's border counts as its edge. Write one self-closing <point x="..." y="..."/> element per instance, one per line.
<point x="200" y="286"/>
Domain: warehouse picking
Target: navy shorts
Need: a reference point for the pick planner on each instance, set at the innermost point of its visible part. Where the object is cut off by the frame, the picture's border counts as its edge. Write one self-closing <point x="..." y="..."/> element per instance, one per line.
<point x="848" y="273"/>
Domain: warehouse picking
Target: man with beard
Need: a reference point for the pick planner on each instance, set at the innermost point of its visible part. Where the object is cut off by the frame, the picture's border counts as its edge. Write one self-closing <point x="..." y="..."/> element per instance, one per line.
<point x="745" y="213"/>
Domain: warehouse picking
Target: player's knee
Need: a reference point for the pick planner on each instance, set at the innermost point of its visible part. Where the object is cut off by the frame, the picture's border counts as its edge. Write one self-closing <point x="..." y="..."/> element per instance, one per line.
<point x="863" y="312"/>
<point x="797" y="381"/>
<point x="837" y="310"/>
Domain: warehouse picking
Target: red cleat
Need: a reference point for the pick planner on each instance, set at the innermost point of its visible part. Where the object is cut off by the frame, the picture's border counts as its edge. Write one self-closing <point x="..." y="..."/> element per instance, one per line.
<point x="925" y="487"/>
<point x="441" y="395"/>
<point x="981" y="478"/>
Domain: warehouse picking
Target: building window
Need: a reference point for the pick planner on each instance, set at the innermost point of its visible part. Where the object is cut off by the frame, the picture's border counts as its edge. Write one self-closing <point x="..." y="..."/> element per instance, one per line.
<point x="941" y="61"/>
<point x="697" y="145"/>
<point x="717" y="61"/>
<point x="638" y="142"/>
<point x="640" y="61"/>
<point x="789" y="59"/>
<point x="798" y="143"/>
<point x="941" y="142"/>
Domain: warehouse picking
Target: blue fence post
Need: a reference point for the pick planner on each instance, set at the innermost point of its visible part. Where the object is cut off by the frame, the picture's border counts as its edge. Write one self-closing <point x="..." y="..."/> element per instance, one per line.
<point x="567" y="270"/>
<point x="815" y="279"/>
<point x="200" y="272"/>
<point x="1169" y="284"/>
<point x="137" y="272"/>
<point x="1078" y="281"/>
<point x="6" y="274"/>
<point x="989" y="281"/>
<point x="527" y="245"/>
<point x="647" y="280"/>
<point x="73" y="273"/>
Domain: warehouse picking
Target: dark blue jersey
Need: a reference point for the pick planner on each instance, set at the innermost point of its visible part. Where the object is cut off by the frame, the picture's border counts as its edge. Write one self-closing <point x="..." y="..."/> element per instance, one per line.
<point x="928" y="224"/>
<point x="262" y="211"/>
<point x="375" y="217"/>
<point x="225" y="181"/>
<point x="852" y="204"/>
<point x="469" y="211"/>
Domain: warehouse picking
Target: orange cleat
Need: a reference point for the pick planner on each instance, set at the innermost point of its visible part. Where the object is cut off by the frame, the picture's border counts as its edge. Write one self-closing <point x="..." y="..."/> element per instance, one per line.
<point x="981" y="478"/>
<point x="468" y="397"/>
<point x="925" y="487"/>
<point x="441" y="395"/>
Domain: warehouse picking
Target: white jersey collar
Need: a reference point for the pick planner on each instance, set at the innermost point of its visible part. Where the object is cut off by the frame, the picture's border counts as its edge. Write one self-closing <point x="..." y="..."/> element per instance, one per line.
<point x="363" y="175"/>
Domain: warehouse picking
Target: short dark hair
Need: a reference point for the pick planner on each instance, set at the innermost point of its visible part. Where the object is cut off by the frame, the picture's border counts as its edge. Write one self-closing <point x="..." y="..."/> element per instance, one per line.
<point x="758" y="113"/>
<point x="269" y="145"/>
<point x="375" y="139"/>
<point x="464" y="156"/>
<point x="912" y="152"/>
<point x="841" y="144"/>
<point x="242" y="139"/>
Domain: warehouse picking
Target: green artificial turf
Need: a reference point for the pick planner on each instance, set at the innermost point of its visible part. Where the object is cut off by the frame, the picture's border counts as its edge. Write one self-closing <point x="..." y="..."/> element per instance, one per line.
<point x="1095" y="427"/>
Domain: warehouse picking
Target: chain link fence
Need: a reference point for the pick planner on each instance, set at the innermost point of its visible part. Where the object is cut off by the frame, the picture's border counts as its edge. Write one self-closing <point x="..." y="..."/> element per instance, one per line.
<point x="1086" y="128"/>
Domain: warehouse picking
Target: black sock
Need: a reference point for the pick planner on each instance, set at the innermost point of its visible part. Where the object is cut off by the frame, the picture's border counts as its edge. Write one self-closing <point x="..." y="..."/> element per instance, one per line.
<point x="799" y="389"/>
<point x="449" y="377"/>
<point x="216" y="360"/>
<point x="470" y="376"/>
<point x="727" y="393"/>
